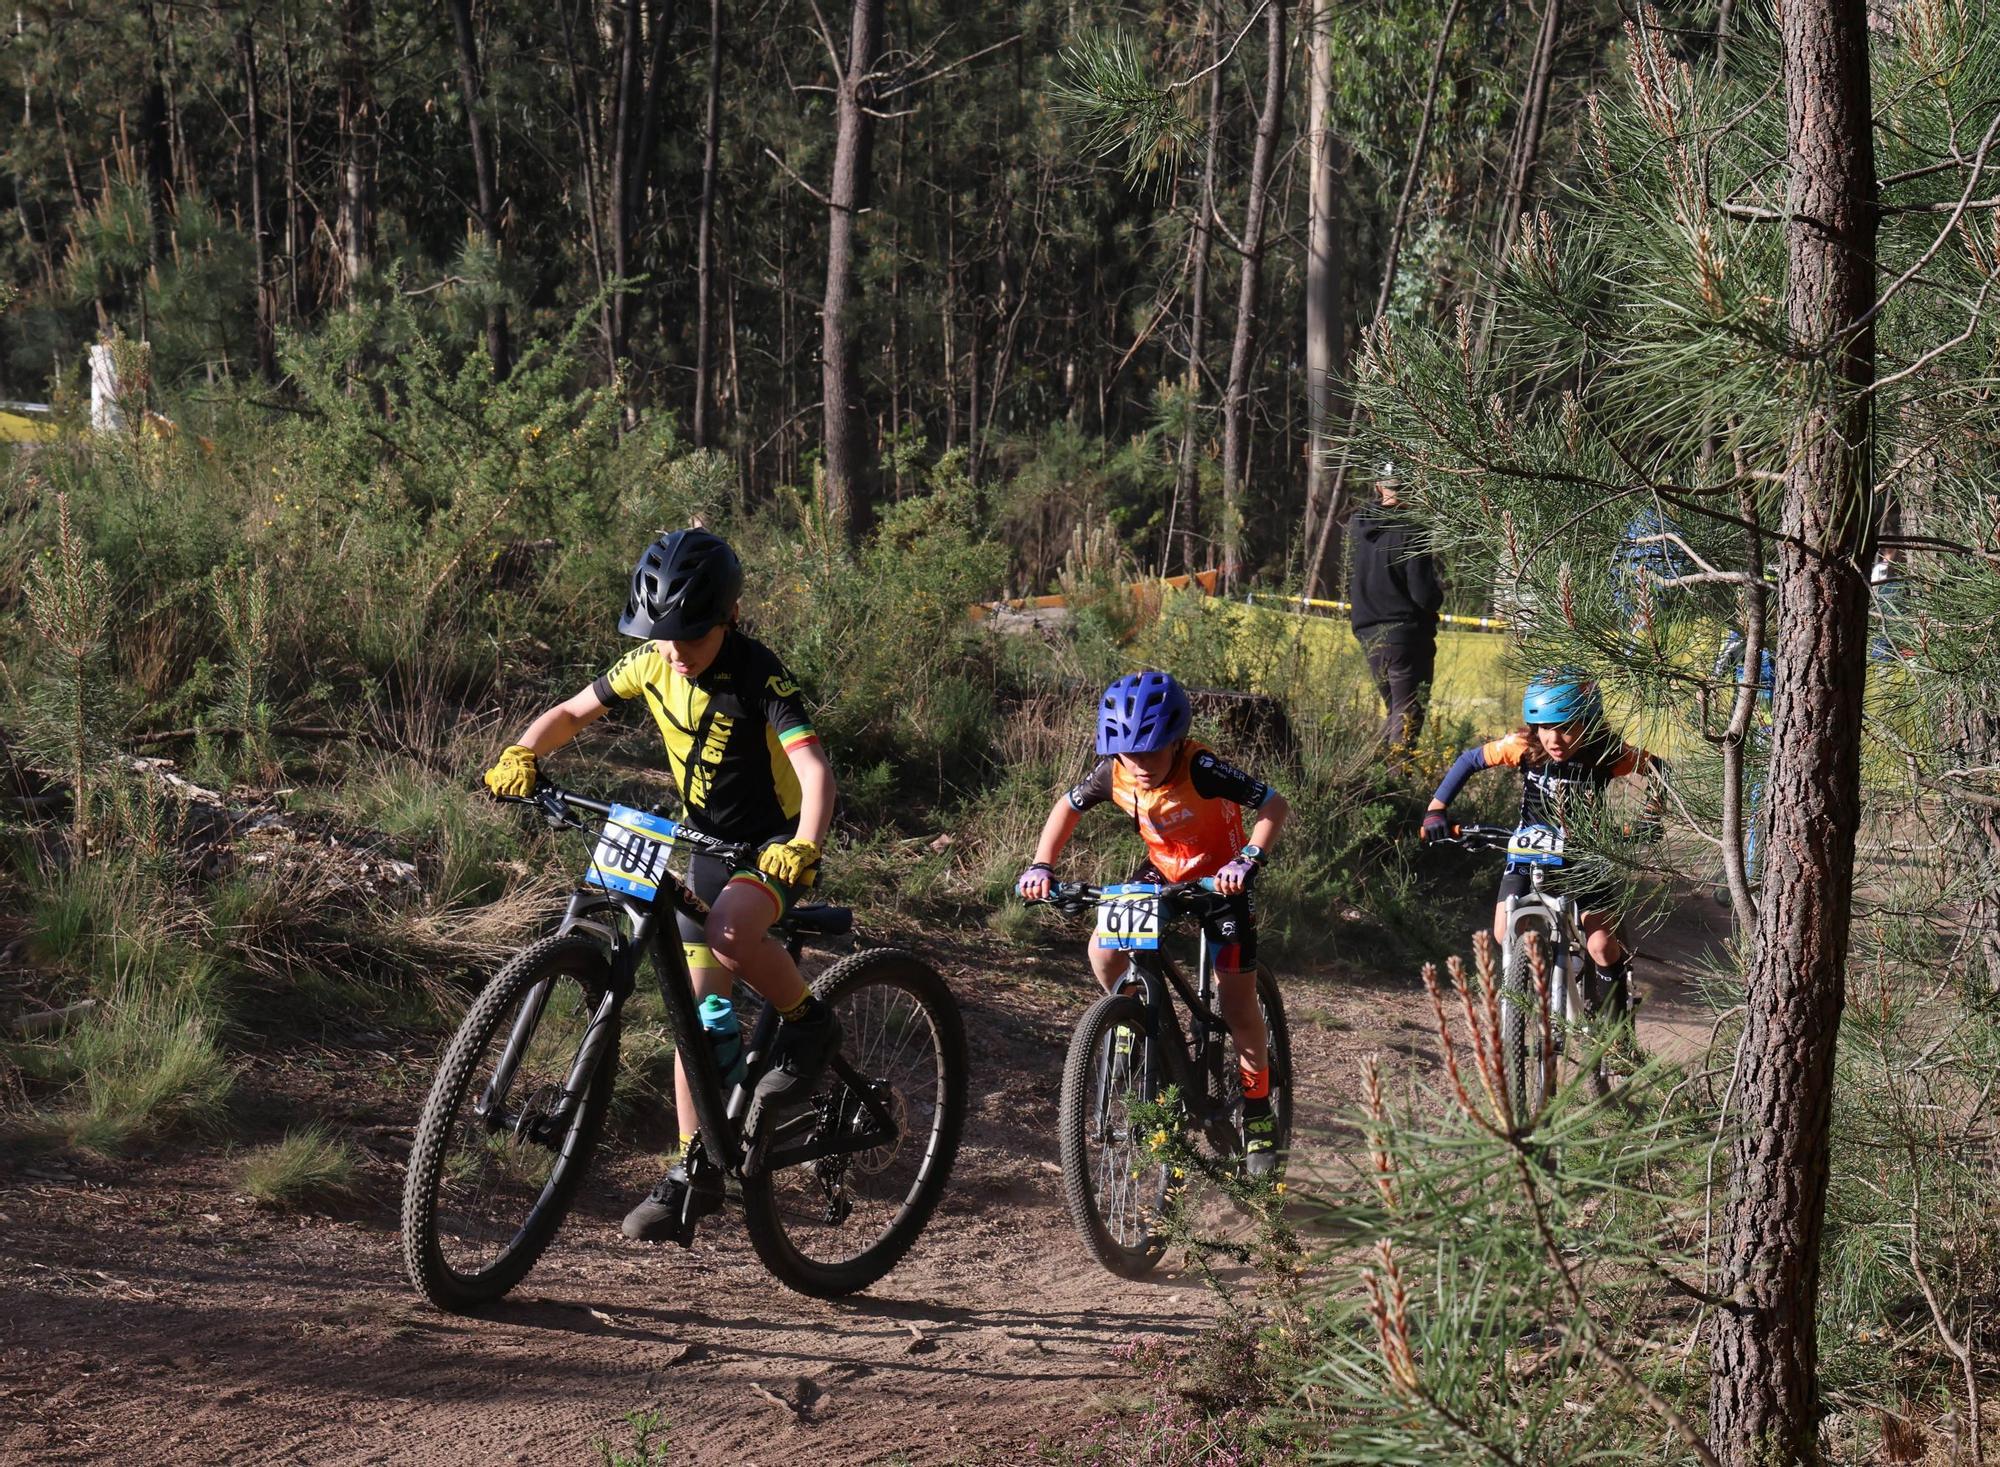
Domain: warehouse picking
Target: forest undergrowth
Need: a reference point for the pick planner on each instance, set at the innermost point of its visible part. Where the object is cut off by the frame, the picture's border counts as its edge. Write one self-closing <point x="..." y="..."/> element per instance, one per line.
<point x="259" y="666"/>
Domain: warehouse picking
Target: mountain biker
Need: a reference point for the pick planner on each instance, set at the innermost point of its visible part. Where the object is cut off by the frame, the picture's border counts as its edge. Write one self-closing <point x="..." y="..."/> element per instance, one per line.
<point x="1188" y="806"/>
<point x="1567" y="752"/>
<point x="750" y="770"/>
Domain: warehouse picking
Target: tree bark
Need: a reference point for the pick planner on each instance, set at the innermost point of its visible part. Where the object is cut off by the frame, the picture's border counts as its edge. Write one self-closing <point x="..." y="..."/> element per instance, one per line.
<point x="1325" y="329"/>
<point x="704" y="331"/>
<point x="840" y="368"/>
<point x="1236" y="395"/>
<point x="260" y="230"/>
<point x="1764" y="1388"/>
<point x="471" y="92"/>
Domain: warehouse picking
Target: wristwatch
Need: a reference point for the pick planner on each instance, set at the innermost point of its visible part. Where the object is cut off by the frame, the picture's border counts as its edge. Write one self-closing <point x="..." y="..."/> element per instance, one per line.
<point x="1253" y="853"/>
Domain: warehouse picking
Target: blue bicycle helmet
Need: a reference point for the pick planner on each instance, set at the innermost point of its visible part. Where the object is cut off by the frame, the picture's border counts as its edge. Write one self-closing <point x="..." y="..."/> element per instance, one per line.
<point x="1141" y="713"/>
<point x="1562" y="696"/>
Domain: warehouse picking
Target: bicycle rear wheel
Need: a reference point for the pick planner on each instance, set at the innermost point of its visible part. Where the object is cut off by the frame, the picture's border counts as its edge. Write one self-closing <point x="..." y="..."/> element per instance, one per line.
<point x="496" y="1162"/>
<point x="1278" y="1038"/>
<point x="832" y="1224"/>
<point x="1115" y="1194"/>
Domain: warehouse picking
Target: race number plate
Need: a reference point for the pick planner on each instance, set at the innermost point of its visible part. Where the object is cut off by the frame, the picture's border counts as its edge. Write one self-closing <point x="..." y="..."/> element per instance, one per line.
<point x="1536" y="845"/>
<point x="631" y="854"/>
<point x="1128" y="917"/>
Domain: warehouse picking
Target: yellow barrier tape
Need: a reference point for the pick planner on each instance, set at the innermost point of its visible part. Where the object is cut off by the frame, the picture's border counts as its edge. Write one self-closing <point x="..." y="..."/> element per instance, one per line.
<point x="1484" y="623"/>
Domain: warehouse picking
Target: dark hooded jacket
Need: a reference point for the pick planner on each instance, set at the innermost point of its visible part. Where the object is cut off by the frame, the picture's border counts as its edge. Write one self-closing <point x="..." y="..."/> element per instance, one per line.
<point x="1395" y="588"/>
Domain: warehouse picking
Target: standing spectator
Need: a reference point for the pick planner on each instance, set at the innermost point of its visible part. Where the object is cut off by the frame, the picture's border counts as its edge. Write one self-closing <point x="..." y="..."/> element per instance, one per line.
<point x="1396" y="594"/>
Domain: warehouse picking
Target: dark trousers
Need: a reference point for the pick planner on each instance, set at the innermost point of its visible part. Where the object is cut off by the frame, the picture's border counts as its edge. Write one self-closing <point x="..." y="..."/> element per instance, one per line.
<point x="1402" y="666"/>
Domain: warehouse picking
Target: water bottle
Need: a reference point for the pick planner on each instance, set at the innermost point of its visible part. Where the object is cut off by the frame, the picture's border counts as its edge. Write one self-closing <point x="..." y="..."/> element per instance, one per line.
<point x="725" y="1038"/>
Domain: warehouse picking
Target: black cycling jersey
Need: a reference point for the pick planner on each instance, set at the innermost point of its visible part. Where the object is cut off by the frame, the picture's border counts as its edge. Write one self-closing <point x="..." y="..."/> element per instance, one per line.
<point x="727" y="733"/>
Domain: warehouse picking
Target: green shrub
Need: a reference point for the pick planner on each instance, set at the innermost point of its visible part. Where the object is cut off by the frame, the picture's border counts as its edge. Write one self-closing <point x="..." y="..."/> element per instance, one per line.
<point x="309" y="1165"/>
<point x="148" y="1064"/>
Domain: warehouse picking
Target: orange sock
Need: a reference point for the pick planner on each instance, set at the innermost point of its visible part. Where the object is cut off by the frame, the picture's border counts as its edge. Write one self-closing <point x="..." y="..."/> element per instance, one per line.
<point x="1256" y="1083"/>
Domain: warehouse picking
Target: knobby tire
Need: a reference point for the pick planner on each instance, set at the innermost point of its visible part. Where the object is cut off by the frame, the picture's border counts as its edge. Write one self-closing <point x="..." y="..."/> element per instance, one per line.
<point x="426" y="1243"/>
<point x="1096" y="1095"/>
<point x="875" y="993"/>
<point x="1278" y="1037"/>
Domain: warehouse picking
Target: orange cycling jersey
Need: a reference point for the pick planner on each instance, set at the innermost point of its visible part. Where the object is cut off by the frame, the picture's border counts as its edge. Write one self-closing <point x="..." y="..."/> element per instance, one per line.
<point x="1192" y="822"/>
<point x="1553" y="792"/>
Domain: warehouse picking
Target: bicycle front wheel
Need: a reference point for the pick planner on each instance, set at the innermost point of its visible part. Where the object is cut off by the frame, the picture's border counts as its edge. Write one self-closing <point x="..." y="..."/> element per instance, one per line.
<point x="503" y="1142"/>
<point x="1116" y="1195"/>
<point x="834" y="1221"/>
<point x="1527" y="1042"/>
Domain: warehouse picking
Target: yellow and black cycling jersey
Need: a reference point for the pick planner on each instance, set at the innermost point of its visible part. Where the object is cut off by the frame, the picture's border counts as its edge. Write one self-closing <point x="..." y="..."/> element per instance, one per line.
<point x="728" y="733"/>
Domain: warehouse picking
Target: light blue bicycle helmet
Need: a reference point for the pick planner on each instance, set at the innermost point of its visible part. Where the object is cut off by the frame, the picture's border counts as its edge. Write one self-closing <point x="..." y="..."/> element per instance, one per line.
<point x="1562" y="696"/>
<point x="1141" y="713"/>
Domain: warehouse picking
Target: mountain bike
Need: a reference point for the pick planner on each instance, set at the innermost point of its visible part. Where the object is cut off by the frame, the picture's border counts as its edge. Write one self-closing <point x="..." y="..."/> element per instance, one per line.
<point x="1534" y="1036"/>
<point x="833" y="1192"/>
<point x="1129" y="1048"/>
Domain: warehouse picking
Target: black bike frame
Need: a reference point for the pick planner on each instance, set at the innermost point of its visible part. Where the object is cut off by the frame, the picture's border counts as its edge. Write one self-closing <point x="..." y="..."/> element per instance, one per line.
<point x="1188" y="1066"/>
<point x="633" y="930"/>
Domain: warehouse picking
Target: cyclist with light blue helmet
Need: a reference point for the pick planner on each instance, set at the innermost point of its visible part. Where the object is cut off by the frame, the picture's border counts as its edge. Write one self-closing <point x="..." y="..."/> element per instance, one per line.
<point x="1187" y="804"/>
<point x="1567" y="753"/>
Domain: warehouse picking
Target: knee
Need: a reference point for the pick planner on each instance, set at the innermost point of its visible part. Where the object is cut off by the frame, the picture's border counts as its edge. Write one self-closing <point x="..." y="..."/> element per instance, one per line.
<point x="729" y="940"/>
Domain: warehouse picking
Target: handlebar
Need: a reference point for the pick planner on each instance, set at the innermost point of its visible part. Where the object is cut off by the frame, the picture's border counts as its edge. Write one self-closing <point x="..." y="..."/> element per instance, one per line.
<point x="1074" y="897"/>
<point x="1476" y="837"/>
<point x="556" y="805"/>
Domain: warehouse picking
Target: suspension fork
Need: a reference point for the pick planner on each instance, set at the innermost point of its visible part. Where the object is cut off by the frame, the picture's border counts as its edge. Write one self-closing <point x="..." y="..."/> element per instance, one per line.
<point x="492" y="1099"/>
<point x="1164" y="1035"/>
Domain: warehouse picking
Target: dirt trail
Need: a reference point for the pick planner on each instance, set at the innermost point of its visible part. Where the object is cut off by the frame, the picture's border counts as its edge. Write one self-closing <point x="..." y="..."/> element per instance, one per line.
<point x="148" y="1314"/>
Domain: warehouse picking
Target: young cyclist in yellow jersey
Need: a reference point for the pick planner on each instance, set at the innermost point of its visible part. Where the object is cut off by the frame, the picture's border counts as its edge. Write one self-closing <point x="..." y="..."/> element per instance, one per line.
<point x="750" y="770"/>
<point x="1188" y="806"/>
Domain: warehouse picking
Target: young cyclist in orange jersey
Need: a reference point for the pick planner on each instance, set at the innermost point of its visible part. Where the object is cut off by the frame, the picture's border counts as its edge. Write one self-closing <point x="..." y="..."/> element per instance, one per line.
<point x="1566" y="752"/>
<point x="750" y="771"/>
<point x="1188" y="806"/>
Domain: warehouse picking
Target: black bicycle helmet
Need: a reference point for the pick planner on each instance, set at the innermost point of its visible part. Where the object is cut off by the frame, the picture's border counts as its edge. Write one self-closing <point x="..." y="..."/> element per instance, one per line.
<point x="683" y="587"/>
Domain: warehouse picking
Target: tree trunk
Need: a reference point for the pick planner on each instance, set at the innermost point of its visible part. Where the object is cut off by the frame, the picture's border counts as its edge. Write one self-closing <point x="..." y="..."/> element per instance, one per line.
<point x="840" y="368"/>
<point x="1325" y="330"/>
<point x="634" y="132"/>
<point x="1975" y="733"/>
<point x="624" y="143"/>
<point x="1763" y="1387"/>
<point x="1236" y="395"/>
<point x="295" y="231"/>
<point x="1528" y="135"/>
<point x="704" y="331"/>
<point x="260" y="232"/>
<point x="356" y="125"/>
<point x="154" y="132"/>
<point x="1187" y="481"/>
<point x="486" y="185"/>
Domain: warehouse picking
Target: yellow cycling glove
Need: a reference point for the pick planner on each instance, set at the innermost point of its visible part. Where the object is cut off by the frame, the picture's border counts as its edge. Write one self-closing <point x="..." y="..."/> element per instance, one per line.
<point x="514" y="775"/>
<point x="792" y="863"/>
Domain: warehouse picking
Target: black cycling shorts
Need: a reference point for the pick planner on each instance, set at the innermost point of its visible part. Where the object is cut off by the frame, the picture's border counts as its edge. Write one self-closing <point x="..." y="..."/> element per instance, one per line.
<point x="1231" y="925"/>
<point x="708" y="875"/>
